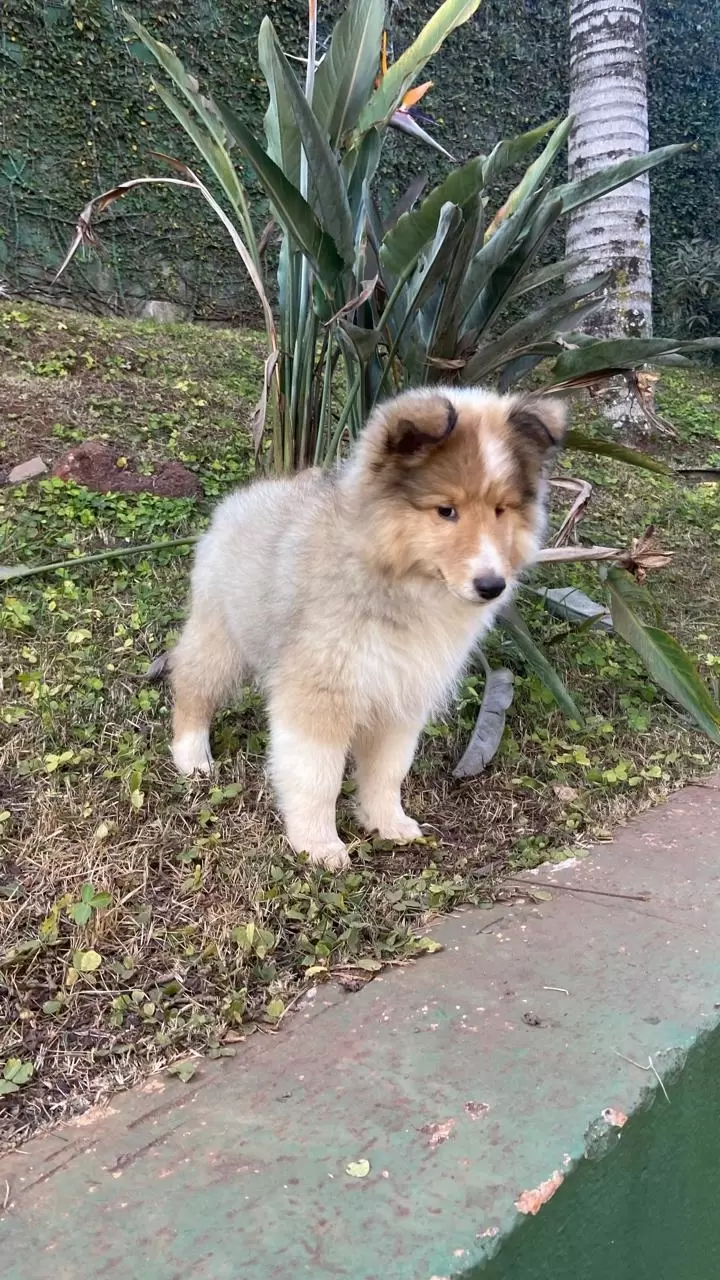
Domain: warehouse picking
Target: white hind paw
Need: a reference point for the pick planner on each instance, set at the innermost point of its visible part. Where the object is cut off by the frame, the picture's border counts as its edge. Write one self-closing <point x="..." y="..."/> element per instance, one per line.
<point x="191" y="753"/>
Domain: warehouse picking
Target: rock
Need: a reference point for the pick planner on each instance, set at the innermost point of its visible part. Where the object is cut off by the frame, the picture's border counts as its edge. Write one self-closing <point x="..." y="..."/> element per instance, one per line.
<point x="105" y="469"/>
<point x="163" y="312"/>
<point x="29" y="470"/>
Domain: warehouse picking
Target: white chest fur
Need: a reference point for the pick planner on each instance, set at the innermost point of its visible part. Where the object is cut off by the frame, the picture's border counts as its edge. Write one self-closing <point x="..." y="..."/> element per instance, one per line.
<point x="409" y="668"/>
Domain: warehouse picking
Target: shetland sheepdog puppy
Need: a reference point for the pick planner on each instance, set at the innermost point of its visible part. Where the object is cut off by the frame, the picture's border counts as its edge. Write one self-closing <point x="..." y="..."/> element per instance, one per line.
<point x="354" y="598"/>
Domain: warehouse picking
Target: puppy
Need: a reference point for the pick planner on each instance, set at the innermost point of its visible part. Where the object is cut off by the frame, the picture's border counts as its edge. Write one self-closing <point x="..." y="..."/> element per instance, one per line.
<point x="354" y="598"/>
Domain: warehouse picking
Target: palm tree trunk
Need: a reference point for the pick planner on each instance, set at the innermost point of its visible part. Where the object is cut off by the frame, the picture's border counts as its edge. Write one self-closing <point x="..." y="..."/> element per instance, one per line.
<point x="608" y="97"/>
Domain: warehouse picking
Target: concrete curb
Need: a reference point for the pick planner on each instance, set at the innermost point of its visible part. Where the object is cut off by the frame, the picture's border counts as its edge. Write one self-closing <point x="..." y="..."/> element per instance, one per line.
<point x="475" y="1083"/>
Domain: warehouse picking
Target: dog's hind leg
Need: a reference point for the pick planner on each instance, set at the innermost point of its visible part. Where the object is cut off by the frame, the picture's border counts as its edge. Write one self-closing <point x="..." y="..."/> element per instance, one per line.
<point x="383" y="755"/>
<point x="205" y="667"/>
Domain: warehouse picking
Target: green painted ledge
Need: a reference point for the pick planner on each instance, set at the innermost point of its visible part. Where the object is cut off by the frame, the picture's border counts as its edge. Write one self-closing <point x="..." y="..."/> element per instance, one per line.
<point x="645" y="1210"/>
<point x="474" y="1082"/>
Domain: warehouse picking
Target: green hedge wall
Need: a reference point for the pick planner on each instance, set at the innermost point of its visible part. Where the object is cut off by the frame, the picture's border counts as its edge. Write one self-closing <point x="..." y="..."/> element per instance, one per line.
<point x="77" y="116"/>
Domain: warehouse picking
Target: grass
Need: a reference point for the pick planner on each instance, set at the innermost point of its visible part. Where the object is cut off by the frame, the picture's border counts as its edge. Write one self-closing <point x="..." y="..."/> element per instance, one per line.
<point x="145" y="918"/>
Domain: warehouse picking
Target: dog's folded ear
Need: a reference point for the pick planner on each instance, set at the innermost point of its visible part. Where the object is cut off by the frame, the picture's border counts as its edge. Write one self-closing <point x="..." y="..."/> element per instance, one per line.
<point x="541" y="419"/>
<point x="412" y="426"/>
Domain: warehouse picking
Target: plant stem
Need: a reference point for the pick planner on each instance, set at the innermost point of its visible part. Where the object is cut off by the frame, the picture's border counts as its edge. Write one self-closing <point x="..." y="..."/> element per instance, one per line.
<point x="382" y="322"/>
<point x="114" y="553"/>
<point x="569" y="555"/>
<point x="343" y="419"/>
<point x="304" y="405"/>
<point x="300" y="354"/>
<point x="354" y="389"/>
<point x="325" y="415"/>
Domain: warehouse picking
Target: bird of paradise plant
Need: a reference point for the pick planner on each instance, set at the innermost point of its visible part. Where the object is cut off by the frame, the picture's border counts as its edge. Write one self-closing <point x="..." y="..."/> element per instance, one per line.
<point x="405" y="117"/>
<point x="365" y="305"/>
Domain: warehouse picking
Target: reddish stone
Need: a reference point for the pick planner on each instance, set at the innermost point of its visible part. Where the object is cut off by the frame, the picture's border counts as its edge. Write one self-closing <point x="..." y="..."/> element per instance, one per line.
<point x="95" y="465"/>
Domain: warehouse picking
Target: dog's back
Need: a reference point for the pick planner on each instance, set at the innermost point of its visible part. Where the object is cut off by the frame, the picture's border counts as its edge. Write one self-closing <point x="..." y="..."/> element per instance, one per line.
<point x="246" y="568"/>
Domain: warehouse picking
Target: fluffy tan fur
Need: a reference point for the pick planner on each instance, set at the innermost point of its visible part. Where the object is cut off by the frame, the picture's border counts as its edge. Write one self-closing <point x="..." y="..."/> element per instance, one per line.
<point x="354" y="598"/>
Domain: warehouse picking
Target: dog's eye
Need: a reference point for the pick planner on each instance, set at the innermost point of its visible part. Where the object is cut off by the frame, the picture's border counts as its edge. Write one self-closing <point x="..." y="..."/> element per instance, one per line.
<point x="447" y="513"/>
<point x="499" y="511"/>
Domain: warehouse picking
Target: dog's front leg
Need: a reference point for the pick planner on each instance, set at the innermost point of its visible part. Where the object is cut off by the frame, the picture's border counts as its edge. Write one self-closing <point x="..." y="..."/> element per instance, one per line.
<point x="383" y="756"/>
<point x="306" y="768"/>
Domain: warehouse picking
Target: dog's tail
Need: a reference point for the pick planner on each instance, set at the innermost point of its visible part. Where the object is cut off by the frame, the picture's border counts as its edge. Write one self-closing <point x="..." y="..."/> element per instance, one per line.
<point x="159" y="668"/>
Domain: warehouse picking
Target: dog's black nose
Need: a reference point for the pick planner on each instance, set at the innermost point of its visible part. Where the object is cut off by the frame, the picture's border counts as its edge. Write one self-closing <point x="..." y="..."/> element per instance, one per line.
<point x="490" y="586"/>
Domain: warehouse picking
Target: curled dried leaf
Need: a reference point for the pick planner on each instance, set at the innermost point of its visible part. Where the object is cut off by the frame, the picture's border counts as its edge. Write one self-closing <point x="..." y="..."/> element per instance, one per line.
<point x="583" y="493"/>
<point x="645" y="555"/>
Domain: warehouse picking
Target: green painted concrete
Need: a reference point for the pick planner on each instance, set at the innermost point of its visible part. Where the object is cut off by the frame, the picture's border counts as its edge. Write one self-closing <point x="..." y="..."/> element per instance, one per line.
<point x="508" y="1044"/>
<point x="648" y="1210"/>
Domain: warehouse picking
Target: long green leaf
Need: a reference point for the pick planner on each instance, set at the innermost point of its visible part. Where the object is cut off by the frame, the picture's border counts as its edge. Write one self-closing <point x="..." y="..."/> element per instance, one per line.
<point x="218" y="160"/>
<point x="530" y="354"/>
<point x="442" y="337"/>
<point x="583" y="190"/>
<point x="216" y="156"/>
<point x="186" y="83"/>
<point x="490" y="257"/>
<point x="609" y="449"/>
<point x="494" y="296"/>
<point x="291" y="210"/>
<point x="281" y="131"/>
<point x="466" y="289"/>
<point x="510" y="151"/>
<point x="400" y="75"/>
<point x="358" y="169"/>
<point x="514" y="624"/>
<point x="345" y="77"/>
<point x="431" y="268"/>
<point x="619" y="354"/>
<point x="522" y="361"/>
<point x="546" y="275"/>
<point x="528" y="357"/>
<point x="415" y="229"/>
<point x="436" y="258"/>
<point x="435" y="264"/>
<point x="407" y="201"/>
<point x="555" y="315"/>
<point x="636" y="597"/>
<point x="373" y="231"/>
<point x="288" y="280"/>
<point x="515" y="149"/>
<point x="519" y="365"/>
<point x="489" y="728"/>
<point x="666" y="660"/>
<point x="331" y="203"/>
<point x="534" y="176"/>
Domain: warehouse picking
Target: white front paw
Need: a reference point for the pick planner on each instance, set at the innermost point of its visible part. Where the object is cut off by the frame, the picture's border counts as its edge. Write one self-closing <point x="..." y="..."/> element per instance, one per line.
<point x="395" y="827"/>
<point x="334" y="857"/>
<point x="191" y="753"/>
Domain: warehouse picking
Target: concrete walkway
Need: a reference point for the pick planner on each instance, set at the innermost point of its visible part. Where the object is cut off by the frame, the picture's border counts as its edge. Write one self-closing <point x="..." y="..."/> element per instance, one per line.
<point x="473" y="1082"/>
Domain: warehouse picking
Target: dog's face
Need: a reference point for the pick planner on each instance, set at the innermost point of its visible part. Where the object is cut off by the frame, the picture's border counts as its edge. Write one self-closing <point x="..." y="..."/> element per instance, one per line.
<point x="454" y="483"/>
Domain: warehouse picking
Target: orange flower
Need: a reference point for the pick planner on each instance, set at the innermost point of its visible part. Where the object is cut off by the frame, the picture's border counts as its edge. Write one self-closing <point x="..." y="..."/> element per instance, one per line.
<point x="413" y="96"/>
